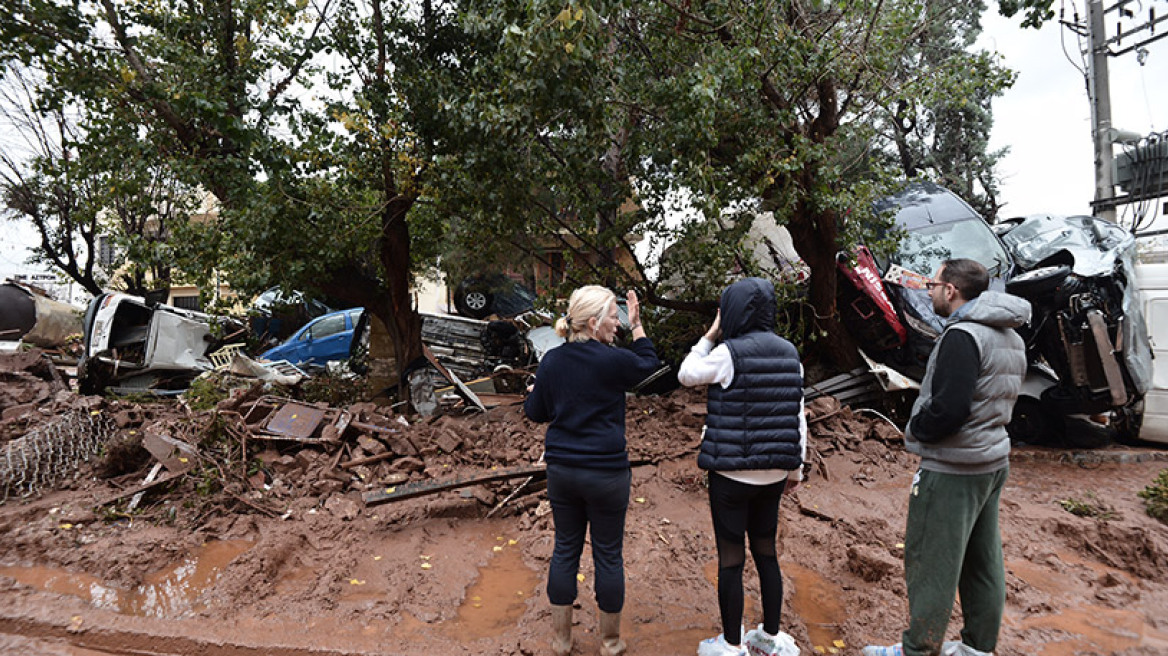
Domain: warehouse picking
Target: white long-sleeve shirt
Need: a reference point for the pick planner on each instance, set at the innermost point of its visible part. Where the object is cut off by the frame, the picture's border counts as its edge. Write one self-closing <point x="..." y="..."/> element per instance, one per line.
<point x="707" y="364"/>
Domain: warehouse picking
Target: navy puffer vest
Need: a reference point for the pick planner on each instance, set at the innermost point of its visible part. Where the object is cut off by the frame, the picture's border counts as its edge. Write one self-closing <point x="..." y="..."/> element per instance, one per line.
<point x="754" y="423"/>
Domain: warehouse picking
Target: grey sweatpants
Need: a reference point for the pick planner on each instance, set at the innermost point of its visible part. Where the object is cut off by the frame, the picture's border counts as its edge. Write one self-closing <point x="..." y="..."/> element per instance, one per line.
<point x="952" y="545"/>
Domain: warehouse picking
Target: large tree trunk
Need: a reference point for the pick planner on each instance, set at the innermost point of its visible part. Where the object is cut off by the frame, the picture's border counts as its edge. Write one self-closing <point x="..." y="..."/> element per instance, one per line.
<point x="815" y="236"/>
<point x="398" y="311"/>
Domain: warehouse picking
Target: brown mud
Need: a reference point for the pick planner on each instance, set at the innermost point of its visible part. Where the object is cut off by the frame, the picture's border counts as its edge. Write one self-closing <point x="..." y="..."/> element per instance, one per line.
<point x="295" y="564"/>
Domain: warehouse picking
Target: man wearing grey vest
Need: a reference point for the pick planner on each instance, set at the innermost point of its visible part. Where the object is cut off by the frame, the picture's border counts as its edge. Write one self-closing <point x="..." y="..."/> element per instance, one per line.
<point x="958" y="427"/>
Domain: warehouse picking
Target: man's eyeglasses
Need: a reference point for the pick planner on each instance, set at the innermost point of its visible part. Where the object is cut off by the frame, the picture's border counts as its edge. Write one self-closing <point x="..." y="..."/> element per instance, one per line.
<point x="936" y="283"/>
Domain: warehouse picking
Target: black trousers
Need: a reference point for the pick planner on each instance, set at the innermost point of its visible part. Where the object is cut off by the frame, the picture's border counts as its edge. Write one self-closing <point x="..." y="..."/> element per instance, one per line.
<point x="740" y="510"/>
<point x="588" y="501"/>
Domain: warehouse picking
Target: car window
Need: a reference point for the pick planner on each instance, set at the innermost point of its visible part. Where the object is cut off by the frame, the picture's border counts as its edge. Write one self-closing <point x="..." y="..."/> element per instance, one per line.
<point x="327" y="326"/>
<point x="928" y="246"/>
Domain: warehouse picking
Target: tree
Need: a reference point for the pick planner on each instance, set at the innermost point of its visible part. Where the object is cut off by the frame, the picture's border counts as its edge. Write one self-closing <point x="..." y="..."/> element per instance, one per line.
<point x="41" y="181"/>
<point x="739" y="107"/>
<point x="941" y="128"/>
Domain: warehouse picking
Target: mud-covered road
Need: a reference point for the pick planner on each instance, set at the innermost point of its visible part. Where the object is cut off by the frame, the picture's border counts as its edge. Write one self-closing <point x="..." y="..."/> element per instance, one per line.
<point x="294" y="563"/>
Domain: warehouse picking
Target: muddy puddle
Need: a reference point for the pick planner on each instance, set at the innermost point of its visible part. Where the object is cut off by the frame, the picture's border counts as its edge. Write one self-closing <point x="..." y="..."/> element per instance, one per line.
<point x="818" y="603"/>
<point x="498" y="598"/>
<point x="1096" y="630"/>
<point x="170" y="593"/>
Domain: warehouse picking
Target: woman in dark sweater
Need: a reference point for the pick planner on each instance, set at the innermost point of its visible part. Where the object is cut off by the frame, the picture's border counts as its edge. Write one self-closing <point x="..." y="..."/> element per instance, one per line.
<point x="580" y="391"/>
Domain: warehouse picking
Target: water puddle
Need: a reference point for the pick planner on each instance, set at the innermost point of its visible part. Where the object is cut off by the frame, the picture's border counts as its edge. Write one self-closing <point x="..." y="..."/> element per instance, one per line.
<point x="1039" y="577"/>
<point x="496" y="601"/>
<point x="818" y="602"/>
<point x="1097" y="630"/>
<point x="171" y="592"/>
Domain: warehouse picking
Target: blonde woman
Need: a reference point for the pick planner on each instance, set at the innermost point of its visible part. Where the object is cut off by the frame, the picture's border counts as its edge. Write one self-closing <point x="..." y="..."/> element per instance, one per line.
<point x="580" y="392"/>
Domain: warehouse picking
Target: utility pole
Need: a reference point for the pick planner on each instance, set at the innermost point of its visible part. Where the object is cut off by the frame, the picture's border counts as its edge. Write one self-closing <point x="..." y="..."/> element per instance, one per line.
<point x="1103" y="134"/>
<point x="1099" y="92"/>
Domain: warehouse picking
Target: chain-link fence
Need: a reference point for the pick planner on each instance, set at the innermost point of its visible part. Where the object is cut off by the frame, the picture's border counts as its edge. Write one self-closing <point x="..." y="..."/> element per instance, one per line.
<point x="52" y="453"/>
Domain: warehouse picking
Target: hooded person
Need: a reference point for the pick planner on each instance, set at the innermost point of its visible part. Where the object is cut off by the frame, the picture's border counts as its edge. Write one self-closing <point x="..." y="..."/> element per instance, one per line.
<point x="753" y="446"/>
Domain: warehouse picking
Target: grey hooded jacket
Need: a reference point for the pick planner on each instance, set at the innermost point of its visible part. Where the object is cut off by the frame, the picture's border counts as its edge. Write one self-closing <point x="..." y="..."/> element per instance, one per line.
<point x="980" y="444"/>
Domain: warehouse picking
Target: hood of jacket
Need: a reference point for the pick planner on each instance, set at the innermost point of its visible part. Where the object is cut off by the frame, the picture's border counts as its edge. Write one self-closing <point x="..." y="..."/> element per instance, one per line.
<point x="996" y="309"/>
<point x="748" y="306"/>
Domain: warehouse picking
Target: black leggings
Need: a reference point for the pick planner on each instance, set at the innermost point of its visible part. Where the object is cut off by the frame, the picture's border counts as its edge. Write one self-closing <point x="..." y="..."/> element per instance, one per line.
<point x="739" y="509"/>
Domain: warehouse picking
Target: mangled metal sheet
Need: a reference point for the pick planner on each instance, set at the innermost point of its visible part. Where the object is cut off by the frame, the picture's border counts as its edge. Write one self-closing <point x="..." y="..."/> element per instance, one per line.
<point x="179" y="342"/>
<point x="275" y="418"/>
<point x="1098" y="248"/>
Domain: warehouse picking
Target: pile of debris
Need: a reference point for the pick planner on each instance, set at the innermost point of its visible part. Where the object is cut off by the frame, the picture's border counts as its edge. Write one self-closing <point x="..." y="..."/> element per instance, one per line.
<point x="255" y="450"/>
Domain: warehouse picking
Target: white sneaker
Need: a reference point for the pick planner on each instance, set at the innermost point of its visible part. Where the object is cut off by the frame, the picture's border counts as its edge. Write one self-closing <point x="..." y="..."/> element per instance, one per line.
<point x="760" y="643"/>
<point x="719" y="647"/>
<point x="958" y="648"/>
<point x="878" y="650"/>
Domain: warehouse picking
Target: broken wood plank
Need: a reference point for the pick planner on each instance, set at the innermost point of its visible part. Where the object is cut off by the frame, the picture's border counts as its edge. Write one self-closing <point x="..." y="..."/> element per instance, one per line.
<point x="461" y="387"/>
<point x="165" y="478"/>
<point x="369" y="460"/>
<point x="149" y="478"/>
<point x="422" y="488"/>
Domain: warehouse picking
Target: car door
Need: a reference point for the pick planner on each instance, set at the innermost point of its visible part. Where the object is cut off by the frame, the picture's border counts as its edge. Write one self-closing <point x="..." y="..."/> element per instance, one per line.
<point x="329" y="338"/>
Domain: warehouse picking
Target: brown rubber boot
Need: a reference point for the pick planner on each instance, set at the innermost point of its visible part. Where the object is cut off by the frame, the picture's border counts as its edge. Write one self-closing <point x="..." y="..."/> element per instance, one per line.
<point x="610" y="640"/>
<point x="561" y="630"/>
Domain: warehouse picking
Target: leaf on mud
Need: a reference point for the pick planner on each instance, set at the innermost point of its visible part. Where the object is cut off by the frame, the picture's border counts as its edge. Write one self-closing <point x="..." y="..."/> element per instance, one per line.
<point x="389" y="490"/>
<point x="839" y="643"/>
<point x="820" y="650"/>
<point x="426" y="565"/>
<point x="640" y="499"/>
<point x="497" y="548"/>
<point x="580" y="577"/>
<point x="899" y="545"/>
<point x="512" y="542"/>
<point x="74" y="624"/>
<point x="356" y="582"/>
<point x="377" y="558"/>
<point x="65" y="527"/>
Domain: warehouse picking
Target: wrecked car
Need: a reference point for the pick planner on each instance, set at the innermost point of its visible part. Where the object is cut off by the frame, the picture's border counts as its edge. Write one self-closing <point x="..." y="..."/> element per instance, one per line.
<point x="132" y="346"/>
<point x="326" y="338"/>
<point x="481" y="296"/>
<point x="886" y="305"/>
<point x="274" y="314"/>
<point x="1087" y="357"/>
<point x="1087" y="341"/>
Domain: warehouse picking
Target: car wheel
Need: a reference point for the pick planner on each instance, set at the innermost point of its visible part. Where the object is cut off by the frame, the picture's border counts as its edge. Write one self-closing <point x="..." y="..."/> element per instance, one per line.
<point x="473" y="300"/>
<point x="1127" y="422"/>
<point x="1038" y="281"/>
<point x="1032" y="423"/>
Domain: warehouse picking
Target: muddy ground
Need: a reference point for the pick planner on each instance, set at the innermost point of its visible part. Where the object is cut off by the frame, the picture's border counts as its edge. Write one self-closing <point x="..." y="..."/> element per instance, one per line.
<point x="235" y="557"/>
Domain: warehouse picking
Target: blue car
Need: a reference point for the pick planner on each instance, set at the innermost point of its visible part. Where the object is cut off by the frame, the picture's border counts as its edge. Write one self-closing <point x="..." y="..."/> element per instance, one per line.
<point x="326" y="338"/>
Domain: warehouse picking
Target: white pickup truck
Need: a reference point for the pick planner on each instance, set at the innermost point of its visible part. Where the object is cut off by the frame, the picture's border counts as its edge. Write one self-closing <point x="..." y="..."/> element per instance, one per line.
<point x="1153" y="283"/>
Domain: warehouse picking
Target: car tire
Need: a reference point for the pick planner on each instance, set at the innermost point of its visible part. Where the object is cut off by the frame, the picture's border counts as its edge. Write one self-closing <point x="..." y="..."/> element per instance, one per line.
<point x="1038" y="281"/>
<point x="1033" y="423"/>
<point x="474" y="299"/>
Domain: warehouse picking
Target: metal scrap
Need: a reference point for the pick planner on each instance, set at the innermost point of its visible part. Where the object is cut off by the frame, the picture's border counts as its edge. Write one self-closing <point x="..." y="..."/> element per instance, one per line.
<point x="276" y="418"/>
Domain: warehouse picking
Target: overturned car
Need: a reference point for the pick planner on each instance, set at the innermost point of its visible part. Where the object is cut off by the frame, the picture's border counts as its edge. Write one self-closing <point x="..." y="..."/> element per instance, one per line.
<point x="132" y="346"/>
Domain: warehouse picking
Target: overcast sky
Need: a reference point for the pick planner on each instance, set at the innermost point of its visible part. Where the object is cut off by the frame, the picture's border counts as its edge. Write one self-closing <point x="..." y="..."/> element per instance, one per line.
<point x="1045" y="119"/>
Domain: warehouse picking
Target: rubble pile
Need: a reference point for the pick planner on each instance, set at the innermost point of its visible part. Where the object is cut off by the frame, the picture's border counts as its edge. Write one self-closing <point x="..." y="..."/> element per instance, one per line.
<point x="259" y="452"/>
